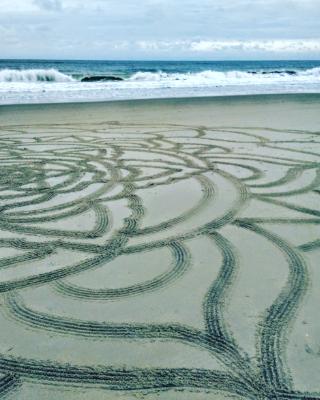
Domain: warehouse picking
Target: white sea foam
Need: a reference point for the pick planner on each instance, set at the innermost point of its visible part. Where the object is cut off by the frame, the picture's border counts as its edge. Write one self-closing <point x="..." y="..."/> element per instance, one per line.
<point x="41" y="86"/>
<point x="33" y="75"/>
<point x="212" y="78"/>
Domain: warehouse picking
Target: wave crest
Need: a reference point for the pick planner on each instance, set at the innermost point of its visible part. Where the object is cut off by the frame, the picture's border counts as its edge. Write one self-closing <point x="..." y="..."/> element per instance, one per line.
<point x="33" y="75"/>
<point x="224" y="77"/>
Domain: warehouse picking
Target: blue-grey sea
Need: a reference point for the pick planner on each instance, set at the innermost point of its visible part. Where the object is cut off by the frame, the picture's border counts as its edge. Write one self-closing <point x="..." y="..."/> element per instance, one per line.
<point x="47" y="81"/>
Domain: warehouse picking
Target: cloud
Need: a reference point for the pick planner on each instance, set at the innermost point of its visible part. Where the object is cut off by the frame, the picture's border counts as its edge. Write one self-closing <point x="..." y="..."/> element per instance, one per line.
<point x="212" y="46"/>
<point x="274" y="46"/>
<point x="203" y="29"/>
<point x="8" y="35"/>
<point x="49" y="5"/>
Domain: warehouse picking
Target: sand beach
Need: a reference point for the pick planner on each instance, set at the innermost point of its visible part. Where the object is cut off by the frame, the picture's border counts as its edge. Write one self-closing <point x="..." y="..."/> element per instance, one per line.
<point x="161" y="249"/>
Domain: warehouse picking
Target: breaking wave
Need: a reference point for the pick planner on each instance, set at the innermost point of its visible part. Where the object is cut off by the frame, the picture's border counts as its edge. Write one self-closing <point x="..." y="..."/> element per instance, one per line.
<point x="211" y="77"/>
<point x="33" y="75"/>
<point x="207" y="78"/>
<point x="100" y="83"/>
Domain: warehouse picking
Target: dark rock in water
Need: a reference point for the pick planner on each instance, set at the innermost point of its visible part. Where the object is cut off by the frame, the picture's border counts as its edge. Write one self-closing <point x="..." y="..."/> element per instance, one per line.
<point x="99" y="78"/>
<point x="288" y="72"/>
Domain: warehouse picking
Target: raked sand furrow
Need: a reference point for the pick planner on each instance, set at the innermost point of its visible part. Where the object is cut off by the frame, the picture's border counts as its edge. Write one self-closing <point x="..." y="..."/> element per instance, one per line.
<point x="153" y="201"/>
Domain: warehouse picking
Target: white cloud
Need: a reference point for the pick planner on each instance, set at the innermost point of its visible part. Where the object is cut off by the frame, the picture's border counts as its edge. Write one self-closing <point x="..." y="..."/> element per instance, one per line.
<point x="212" y="46"/>
<point x="49" y="5"/>
<point x="159" y="28"/>
<point x="274" y="46"/>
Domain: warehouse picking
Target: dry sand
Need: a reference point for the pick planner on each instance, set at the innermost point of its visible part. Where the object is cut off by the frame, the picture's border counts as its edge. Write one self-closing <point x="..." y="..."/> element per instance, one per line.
<point x="164" y="249"/>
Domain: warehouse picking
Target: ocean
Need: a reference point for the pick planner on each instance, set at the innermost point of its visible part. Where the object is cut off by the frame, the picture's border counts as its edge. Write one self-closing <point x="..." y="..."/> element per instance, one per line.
<point x="47" y="81"/>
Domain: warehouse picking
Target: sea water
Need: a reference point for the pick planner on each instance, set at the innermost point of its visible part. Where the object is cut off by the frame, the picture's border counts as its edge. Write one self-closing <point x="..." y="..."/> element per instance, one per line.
<point x="49" y="81"/>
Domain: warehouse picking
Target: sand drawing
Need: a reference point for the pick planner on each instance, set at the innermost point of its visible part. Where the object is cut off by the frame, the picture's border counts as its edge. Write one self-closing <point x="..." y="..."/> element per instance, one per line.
<point x="145" y="260"/>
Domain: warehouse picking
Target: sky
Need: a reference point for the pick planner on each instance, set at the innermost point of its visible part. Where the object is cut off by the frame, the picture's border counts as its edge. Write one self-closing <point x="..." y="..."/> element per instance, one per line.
<point x="160" y="29"/>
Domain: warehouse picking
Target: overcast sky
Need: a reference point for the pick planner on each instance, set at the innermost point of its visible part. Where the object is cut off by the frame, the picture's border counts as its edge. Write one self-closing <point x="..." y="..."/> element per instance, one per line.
<point x="160" y="29"/>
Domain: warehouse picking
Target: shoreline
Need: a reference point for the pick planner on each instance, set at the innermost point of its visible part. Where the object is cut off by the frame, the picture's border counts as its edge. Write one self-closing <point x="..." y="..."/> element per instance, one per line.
<point x="295" y="111"/>
<point x="174" y="99"/>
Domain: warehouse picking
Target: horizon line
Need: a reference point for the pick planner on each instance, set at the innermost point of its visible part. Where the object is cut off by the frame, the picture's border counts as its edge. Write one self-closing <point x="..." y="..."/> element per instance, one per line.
<point x="161" y="59"/>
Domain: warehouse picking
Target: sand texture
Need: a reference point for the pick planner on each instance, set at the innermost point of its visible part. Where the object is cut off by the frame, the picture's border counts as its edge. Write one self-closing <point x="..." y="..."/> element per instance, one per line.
<point x="147" y="258"/>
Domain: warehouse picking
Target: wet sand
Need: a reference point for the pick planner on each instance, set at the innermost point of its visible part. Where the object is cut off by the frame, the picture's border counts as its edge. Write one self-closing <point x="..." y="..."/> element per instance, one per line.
<point x="163" y="249"/>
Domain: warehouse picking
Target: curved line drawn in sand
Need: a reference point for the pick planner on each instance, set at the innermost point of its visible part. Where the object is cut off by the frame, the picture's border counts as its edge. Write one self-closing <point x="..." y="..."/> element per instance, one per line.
<point x="82" y="195"/>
